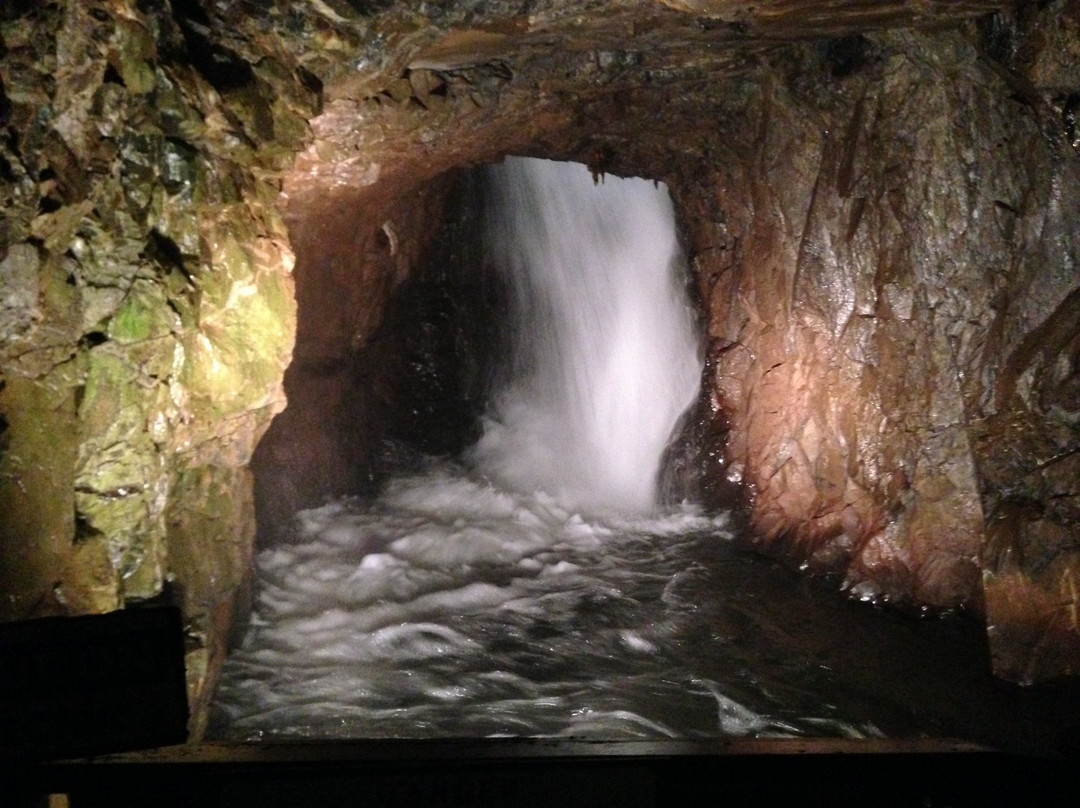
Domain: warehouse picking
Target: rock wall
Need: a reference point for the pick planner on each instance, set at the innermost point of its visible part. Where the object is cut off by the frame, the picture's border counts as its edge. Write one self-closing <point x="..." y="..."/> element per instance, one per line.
<point x="908" y="237"/>
<point x="147" y="312"/>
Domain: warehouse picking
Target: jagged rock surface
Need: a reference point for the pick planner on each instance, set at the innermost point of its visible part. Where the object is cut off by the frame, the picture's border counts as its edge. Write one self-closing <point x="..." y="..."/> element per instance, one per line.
<point x="882" y="219"/>
<point x="148" y="309"/>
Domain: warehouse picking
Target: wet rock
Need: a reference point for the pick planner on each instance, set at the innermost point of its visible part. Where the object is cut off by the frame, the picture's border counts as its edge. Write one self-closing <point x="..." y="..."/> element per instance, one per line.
<point x="19" y="311"/>
<point x="118" y="163"/>
<point x="857" y="395"/>
<point x="882" y="223"/>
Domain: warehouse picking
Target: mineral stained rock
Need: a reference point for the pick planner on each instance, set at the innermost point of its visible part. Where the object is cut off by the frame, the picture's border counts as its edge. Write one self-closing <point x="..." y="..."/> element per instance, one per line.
<point x="147" y="313"/>
<point x="880" y="201"/>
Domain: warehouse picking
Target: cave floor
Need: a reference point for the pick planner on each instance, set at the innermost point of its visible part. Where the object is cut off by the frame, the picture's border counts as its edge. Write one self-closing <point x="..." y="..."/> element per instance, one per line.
<point x="585" y="630"/>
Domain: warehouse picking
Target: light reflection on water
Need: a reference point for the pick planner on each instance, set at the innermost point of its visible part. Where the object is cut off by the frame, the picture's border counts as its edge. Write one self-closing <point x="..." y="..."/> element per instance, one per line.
<point x="447" y="608"/>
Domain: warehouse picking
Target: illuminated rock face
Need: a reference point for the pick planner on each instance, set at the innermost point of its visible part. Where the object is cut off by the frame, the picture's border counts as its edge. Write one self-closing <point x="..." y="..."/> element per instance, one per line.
<point x="881" y="277"/>
<point x="148" y="311"/>
<point x="882" y="224"/>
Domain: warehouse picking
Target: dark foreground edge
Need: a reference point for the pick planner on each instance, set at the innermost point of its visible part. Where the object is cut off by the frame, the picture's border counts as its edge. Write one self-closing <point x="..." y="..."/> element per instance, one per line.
<point x="926" y="773"/>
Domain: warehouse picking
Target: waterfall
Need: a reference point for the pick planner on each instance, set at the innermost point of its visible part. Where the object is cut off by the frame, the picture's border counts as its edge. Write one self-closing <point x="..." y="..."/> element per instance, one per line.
<point x="604" y="356"/>
<point x="446" y="607"/>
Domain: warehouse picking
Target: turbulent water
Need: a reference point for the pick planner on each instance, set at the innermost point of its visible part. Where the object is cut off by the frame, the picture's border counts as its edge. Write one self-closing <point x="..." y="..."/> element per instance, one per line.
<point x="536" y="590"/>
<point x="449" y="608"/>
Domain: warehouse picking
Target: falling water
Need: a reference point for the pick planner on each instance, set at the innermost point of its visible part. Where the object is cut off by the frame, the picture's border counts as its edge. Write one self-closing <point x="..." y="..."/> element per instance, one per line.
<point x="605" y="356"/>
<point x="561" y="601"/>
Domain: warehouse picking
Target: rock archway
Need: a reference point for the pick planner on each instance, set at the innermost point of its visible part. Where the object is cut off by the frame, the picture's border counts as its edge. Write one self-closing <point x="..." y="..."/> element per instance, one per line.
<point x="879" y="200"/>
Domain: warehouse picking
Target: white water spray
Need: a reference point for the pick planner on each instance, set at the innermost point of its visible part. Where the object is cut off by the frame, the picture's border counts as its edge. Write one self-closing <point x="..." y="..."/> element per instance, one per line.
<point x="446" y="607"/>
<point x="605" y="354"/>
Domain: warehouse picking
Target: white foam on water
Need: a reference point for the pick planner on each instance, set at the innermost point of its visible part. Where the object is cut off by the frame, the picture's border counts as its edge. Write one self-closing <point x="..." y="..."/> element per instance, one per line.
<point x="560" y="603"/>
<point x="342" y="630"/>
<point x="434" y="629"/>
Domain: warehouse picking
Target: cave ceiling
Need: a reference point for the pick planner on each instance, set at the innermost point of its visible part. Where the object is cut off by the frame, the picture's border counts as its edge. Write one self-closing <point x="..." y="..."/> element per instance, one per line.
<point x="528" y="67"/>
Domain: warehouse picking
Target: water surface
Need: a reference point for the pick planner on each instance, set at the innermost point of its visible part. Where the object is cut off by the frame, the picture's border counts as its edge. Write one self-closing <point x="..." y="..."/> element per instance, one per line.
<point x="448" y="608"/>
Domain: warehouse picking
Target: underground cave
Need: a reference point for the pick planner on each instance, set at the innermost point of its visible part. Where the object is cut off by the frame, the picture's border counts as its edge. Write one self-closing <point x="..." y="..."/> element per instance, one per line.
<point x="506" y="576"/>
<point x="223" y="232"/>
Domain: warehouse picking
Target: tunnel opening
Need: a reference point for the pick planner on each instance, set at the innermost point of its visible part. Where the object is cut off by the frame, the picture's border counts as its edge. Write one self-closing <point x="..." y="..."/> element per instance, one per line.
<point x="410" y="366"/>
<point x="433" y="596"/>
<point x="529" y="390"/>
<point x="839" y="397"/>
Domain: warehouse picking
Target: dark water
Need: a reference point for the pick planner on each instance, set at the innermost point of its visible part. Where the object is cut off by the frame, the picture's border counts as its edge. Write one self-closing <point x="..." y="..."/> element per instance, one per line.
<point x="451" y="606"/>
<point x="448" y="608"/>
